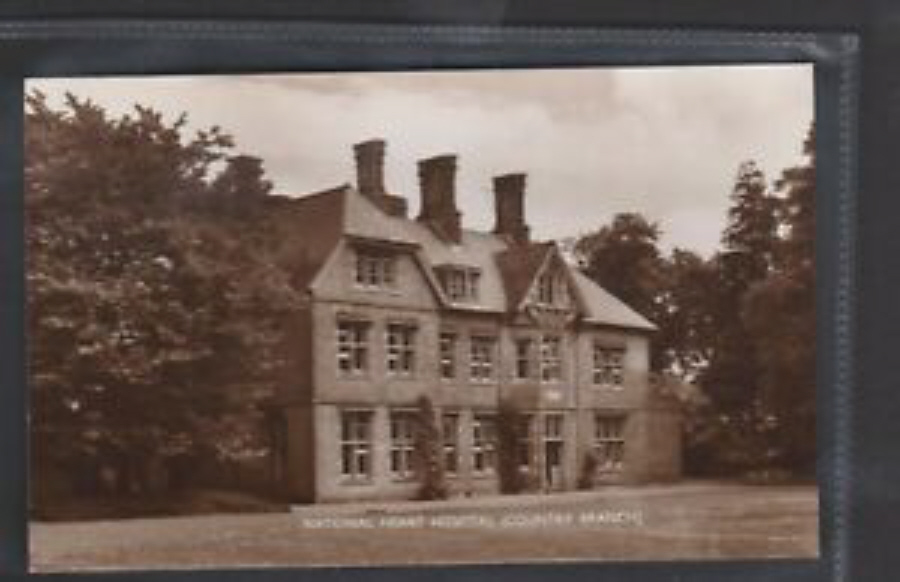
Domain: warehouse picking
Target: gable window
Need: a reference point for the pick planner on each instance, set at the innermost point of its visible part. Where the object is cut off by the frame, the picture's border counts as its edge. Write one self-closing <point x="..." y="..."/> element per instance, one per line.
<point x="552" y="290"/>
<point x="403" y="445"/>
<point x="609" y="441"/>
<point x="481" y="358"/>
<point x="352" y="346"/>
<point x="447" y="346"/>
<point x="375" y="269"/>
<point x="546" y="290"/>
<point x="401" y="349"/>
<point x="524" y="365"/>
<point x="608" y="366"/>
<point x="356" y="444"/>
<point x="484" y="444"/>
<point x="460" y="283"/>
<point x="450" y="440"/>
<point x="551" y="358"/>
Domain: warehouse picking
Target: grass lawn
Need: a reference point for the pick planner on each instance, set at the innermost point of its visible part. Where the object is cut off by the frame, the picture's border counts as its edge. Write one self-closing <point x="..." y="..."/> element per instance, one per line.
<point x="684" y="521"/>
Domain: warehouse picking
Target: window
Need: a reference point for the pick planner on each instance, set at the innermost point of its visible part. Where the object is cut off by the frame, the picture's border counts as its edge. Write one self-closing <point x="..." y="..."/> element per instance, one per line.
<point x="609" y="441"/>
<point x="401" y="349"/>
<point x="481" y="358"/>
<point x="552" y="290"/>
<point x="546" y="290"/>
<point x="484" y="444"/>
<point x="608" y="366"/>
<point x="374" y="269"/>
<point x="551" y="359"/>
<point x="450" y="439"/>
<point x="523" y="358"/>
<point x="352" y="346"/>
<point x="356" y="444"/>
<point x="403" y="444"/>
<point x="460" y="283"/>
<point x="447" y="344"/>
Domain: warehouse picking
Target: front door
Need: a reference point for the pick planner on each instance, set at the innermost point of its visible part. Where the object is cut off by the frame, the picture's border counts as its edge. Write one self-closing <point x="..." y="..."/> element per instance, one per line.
<point x="554" y="446"/>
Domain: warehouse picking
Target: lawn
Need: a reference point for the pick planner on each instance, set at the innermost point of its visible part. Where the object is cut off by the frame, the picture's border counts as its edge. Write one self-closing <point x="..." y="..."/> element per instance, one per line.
<point x="684" y="521"/>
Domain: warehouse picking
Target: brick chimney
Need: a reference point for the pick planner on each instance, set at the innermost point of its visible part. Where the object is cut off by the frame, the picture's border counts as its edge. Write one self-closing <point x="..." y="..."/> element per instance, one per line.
<point x="370" y="177"/>
<point x="437" y="180"/>
<point x="509" y="200"/>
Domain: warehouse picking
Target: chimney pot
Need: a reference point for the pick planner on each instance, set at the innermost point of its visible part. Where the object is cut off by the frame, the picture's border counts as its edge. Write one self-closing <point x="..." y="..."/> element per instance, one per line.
<point x="509" y="201"/>
<point x="370" y="177"/>
<point x="437" y="180"/>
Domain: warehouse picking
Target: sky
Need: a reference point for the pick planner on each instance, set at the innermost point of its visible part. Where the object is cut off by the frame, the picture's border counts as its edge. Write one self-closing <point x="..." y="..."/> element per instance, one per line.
<point x="662" y="141"/>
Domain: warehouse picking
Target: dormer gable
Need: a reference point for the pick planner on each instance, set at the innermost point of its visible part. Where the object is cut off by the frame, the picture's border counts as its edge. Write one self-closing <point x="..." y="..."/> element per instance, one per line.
<point x="539" y="283"/>
<point x="552" y="290"/>
<point x="461" y="283"/>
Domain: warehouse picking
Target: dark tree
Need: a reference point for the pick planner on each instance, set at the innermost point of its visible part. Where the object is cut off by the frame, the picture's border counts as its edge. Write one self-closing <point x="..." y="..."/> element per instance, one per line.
<point x="154" y="333"/>
<point x="428" y="454"/>
<point x="779" y="313"/>
<point x="624" y="258"/>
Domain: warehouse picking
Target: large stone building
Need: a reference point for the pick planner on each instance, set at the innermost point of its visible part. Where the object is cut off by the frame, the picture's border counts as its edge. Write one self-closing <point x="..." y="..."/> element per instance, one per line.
<point x="397" y="308"/>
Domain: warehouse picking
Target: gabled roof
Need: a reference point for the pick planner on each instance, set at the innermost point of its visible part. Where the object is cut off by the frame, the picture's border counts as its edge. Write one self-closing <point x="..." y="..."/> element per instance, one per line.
<point x="519" y="266"/>
<point x="318" y="222"/>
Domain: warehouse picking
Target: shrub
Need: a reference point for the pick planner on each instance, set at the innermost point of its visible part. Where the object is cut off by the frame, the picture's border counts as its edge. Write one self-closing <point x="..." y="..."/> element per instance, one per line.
<point x="429" y="461"/>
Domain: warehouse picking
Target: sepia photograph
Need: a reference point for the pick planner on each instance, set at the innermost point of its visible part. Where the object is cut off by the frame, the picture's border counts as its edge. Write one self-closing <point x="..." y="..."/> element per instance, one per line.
<point x="432" y="317"/>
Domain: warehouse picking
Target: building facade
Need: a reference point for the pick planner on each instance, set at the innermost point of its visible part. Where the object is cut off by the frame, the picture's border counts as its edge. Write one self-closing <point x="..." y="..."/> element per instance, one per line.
<point x="396" y="308"/>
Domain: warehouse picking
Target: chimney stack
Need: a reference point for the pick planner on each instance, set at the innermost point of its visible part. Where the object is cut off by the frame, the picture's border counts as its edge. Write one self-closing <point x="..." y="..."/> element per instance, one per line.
<point x="509" y="200"/>
<point x="437" y="180"/>
<point x="370" y="177"/>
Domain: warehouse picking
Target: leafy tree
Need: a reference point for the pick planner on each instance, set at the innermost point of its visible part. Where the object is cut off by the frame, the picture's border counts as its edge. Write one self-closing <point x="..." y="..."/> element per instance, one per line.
<point x="624" y="258"/>
<point x="685" y="321"/>
<point x="751" y="235"/>
<point x="428" y="453"/>
<point x="779" y="312"/>
<point x="153" y="332"/>
<point x="240" y="189"/>
<point x="79" y="155"/>
<point x="749" y="241"/>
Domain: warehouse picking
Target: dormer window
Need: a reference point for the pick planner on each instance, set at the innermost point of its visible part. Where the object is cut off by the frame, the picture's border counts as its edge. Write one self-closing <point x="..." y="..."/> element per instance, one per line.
<point x="375" y="269"/>
<point x="460" y="283"/>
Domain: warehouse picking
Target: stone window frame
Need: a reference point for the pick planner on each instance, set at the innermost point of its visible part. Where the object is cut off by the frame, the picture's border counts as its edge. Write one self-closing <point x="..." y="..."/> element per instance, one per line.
<point x="461" y="283"/>
<point x="450" y="442"/>
<point x="550" y="362"/>
<point x="402" y="440"/>
<point x="608" y="365"/>
<point x="483" y="370"/>
<point x="484" y="444"/>
<point x="552" y="289"/>
<point x="400" y="352"/>
<point x="353" y="347"/>
<point x="375" y="269"/>
<point x="608" y="441"/>
<point x="524" y="361"/>
<point x="356" y="444"/>
<point x="447" y="357"/>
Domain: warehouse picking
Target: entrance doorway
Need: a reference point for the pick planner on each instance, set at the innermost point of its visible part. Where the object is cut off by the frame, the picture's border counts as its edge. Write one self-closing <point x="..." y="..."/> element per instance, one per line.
<point x="554" y="447"/>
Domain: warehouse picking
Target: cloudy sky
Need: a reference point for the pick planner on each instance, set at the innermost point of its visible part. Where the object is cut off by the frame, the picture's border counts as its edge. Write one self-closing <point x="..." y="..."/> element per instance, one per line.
<point x="664" y="141"/>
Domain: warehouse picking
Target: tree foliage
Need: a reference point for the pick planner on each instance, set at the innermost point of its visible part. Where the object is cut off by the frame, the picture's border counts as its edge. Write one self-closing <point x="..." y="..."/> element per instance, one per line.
<point x="740" y="325"/>
<point x="429" y="460"/>
<point x="153" y="331"/>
